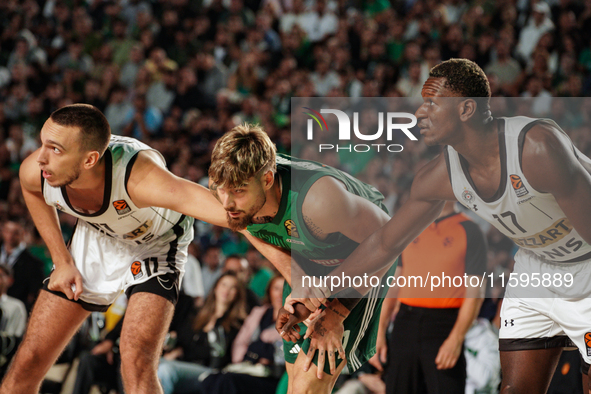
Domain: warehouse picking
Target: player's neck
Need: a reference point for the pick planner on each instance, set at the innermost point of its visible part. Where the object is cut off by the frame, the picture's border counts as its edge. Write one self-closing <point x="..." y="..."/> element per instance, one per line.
<point x="273" y="200"/>
<point x="480" y="148"/>
<point x="90" y="180"/>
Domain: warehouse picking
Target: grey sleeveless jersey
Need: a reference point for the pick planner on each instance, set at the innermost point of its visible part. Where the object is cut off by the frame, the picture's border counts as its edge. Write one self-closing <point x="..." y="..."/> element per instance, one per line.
<point x="119" y="217"/>
<point x="533" y="220"/>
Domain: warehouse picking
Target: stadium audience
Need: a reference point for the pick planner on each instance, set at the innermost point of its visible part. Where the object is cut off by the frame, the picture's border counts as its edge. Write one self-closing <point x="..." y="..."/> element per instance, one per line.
<point x="178" y="74"/>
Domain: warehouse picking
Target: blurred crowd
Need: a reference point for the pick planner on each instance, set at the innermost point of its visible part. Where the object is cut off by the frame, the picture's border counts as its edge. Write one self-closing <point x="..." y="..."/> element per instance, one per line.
<point x="177" y="74"/>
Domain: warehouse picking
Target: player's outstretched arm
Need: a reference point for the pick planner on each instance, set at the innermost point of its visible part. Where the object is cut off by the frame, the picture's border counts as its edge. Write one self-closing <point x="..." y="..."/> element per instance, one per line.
<point x="430" y="189"/>
<point x="152" y="185"/>
<point x="550" y="165"/>
<point x="46" y="220"/>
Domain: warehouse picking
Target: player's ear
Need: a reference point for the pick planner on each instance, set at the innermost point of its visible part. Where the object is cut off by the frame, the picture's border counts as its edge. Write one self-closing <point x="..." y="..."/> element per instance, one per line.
<point x="268" y="179"/>
<point x="91" y="159"/>
<point x="467" y="109"/>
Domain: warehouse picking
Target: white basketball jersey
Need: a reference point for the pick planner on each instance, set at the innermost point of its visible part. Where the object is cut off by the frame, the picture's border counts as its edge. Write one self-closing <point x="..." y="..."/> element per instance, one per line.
<point x="119" y="217"/>
<point x="533" y="220"/>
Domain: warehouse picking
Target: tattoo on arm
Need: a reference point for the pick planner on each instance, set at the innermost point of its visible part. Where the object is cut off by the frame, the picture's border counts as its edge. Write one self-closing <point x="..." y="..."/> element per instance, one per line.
<point x="335" y="311"/>
<point x="313" y="228"/>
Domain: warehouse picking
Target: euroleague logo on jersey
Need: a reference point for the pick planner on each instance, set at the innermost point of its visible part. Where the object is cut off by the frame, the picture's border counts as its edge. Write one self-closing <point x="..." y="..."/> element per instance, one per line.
<point x="121" y="207"/>
<point x="588" y="343"/>
<point x="291" y="228"/>
<point x="518" y="186"/>
<point x="136" y="270"/>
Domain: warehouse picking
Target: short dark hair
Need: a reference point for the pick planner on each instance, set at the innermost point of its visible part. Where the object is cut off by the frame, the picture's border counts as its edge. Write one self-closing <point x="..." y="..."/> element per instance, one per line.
<point x="463" y="77"/>
<point x="95" y="132"/>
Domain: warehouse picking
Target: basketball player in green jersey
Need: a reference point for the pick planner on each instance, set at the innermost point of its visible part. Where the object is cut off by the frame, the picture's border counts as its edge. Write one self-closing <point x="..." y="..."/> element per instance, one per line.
<point x="320" y="215"/>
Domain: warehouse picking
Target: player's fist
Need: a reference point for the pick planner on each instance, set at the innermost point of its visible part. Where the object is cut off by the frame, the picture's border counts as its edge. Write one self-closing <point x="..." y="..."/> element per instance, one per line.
<point x="67" y="279"/>
<point x="286" y="323"/>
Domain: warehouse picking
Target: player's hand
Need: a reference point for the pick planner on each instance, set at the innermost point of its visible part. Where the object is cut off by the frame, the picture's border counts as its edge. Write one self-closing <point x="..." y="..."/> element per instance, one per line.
<point x="449" y="352"/>
<point x="286" y="323"/>
<point x="67" y="279"/>
<point x="381" y="356"/>
<point x="326" y="337"/>
<point x="312" y="297"/>
<point x="106" y="348"/>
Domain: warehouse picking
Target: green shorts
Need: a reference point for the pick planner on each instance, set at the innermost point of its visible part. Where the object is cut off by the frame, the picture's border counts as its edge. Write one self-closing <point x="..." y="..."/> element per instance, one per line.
<point x="361" y="330"/>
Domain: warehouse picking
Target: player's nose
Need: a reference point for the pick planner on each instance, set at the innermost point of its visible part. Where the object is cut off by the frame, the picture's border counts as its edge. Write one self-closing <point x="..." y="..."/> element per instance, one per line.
<point x="421" y="112"/>
<point x="227" y="201"/>
<point x="42" y="157"/>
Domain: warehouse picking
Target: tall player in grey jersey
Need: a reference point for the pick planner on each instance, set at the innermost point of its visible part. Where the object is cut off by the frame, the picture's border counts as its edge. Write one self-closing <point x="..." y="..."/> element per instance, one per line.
<point x="132" y="234"/>
<point x="526" y="178"/>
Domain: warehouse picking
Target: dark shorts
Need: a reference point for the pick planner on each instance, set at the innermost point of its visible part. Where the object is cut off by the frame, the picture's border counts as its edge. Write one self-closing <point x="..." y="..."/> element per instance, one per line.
<point x="166" y="286"/>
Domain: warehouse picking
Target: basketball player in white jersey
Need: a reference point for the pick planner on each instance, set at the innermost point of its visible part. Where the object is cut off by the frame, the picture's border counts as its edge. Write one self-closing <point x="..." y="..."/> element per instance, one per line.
<point x="131" y="235"/>
<point x="526" y="178"/>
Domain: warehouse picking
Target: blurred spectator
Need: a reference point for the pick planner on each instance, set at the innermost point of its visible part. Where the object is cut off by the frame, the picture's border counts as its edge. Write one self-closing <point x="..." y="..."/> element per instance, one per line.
<point x="256" y="352"/>
<point x="121" y="44"/>
<point x="142" y="121"/>
<point x="27" y="269"/>
<point x="192" y="284"/>
<point x="504" y="67"/>
<point x="411" y="85"/>
<point x="189" y="94"/>
<point x="19" y="145"/>
<point x="118" y="110"/>
<point x="74" y="59"/>
<point x="538" y="24"/>
<point x="161" y="93"/>
<point x="320" y="23"/>
<point x="323" y="78"/>
<point x="239" y="266"/>
<point x="261" y="273"/>
<point x="483" y="366"/>
<point x="211" y="267"/>
<point x="215" y="75"/>
<point x="205" y="340"/>
<point x="130" y="69"/>
<point x="14" y="313"/>
<point x="101" y="364"/>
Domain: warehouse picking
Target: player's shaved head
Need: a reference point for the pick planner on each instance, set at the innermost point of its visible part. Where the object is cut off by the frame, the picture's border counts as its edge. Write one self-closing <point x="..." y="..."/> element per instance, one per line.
<point x="95" y="132"/>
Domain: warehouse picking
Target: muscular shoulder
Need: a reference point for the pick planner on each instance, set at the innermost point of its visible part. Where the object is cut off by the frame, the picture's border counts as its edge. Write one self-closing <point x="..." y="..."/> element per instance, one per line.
<point x="322" y="194"/>
<point x="30" y="174"/>
<point x="325" y="198"/>
<point x="145" y="162"/>
<point x="432" y="182"/>
<point x="147" y="172"/>
<point x="548" y="159"/>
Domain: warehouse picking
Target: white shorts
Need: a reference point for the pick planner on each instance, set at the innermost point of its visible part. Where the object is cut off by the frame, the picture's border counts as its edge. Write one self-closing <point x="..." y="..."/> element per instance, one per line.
<point x="545" y="317"/>
<point x="109" y="266"/>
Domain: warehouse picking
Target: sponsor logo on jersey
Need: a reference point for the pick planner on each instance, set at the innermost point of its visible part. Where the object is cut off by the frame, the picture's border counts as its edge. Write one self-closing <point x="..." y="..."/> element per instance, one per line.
<point x="588" y="343"/>
<point x="291" y="228"/>
<point x="328" y="262"/>
<point x="141" y="230"/>
<point x="121" y="207"/>
<point x="554" y="233"/>
<point x="58" y="206"/>
<point x="518" y="186"/>
<point x="136" y="270"/>
<point x="295" y="349"/>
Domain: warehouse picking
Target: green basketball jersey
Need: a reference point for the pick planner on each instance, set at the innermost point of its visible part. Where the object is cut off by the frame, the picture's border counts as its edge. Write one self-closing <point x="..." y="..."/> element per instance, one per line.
<point x="288" y="230"/>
